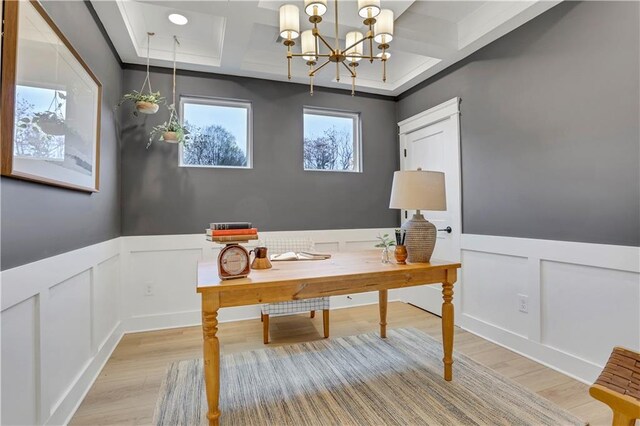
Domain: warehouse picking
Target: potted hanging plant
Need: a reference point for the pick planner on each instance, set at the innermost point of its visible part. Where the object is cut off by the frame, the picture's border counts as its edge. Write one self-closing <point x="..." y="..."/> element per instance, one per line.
<point x="171" y="131"/>
<point x="146" y="103"/>
<point x="51" y="122"/>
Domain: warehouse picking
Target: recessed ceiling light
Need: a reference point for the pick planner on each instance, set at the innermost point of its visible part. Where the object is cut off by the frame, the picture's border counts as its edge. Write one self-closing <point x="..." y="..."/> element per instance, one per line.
<point x="178" y="19"/>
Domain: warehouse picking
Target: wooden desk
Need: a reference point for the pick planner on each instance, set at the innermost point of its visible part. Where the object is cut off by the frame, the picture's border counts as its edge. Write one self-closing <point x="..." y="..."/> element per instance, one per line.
<point x="344" y="273"/>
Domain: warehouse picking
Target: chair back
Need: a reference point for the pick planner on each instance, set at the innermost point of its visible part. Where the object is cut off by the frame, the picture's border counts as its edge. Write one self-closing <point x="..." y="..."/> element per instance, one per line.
<point x="283" y="245"/>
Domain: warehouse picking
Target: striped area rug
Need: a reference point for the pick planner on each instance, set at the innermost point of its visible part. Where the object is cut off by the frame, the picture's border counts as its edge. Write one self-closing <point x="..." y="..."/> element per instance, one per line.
<point x="359" y="380"/>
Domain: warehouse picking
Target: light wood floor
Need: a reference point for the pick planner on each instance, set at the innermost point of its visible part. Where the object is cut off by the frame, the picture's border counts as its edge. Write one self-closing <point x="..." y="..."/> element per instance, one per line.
<point x="126" y="390"/>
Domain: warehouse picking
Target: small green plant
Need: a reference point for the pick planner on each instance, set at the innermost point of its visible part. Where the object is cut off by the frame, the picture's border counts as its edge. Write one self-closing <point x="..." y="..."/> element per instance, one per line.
<point x="135" y="97"/>
<point x="385" y="241"/>
<point x="179" y="134"/>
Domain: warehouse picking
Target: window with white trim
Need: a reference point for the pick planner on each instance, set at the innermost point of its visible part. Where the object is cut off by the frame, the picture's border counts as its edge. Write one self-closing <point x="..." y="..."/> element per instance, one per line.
<point x="332" y="140"/>
<point x="220" y="133"/>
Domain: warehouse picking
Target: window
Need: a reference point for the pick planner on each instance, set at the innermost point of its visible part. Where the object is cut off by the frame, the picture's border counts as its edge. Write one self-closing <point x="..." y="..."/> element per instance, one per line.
<point x="220" y="133"/>
<point x="332" y="140"/>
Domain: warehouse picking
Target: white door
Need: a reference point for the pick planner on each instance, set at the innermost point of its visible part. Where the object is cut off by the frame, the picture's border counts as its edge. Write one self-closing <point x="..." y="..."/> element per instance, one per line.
<point x="431" y="141"/>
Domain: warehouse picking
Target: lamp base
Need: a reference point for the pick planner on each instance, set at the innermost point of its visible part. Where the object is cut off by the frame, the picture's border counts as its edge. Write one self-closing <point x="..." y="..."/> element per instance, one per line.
<point x="420" y="239"/>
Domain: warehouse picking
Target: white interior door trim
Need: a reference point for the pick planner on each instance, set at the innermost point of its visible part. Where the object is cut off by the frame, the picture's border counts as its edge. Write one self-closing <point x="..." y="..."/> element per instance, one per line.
<point x="446" y="110"/>
<point x="432" y="115"/>
<point x="443" y="116"/>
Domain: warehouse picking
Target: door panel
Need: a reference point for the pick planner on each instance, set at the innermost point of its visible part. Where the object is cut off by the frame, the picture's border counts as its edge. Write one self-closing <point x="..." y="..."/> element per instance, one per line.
<point x="436" y="147"/>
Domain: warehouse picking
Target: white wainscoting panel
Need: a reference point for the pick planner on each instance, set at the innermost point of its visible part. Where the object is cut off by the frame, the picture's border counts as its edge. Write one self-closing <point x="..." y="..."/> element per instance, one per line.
<point x="104" y="299"/>
<point x="20" y="347"/>
<point x="167" y="265"/>
<point x="586" y="310"/>
<point x="63" y="316"/>
<point x="583" y="299"/>
<point x="67" y="337"/>
<point x="494" y="280"/>
<point x="60" y="323"/>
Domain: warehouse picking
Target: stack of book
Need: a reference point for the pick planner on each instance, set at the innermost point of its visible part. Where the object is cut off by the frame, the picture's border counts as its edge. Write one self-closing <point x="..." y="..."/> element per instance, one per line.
<point x="228" y="232"/>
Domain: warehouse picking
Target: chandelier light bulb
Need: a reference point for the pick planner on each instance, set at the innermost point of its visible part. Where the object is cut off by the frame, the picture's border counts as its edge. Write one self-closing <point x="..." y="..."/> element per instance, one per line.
<point x="387" y="55"/>
<point x="368" y="6"/>
<point x="320" y="7"/>
<point x="289" y="21"/>
<point x="308" y="44"/>
<point x="354" y="53"/>
<point x="383" y="28"/>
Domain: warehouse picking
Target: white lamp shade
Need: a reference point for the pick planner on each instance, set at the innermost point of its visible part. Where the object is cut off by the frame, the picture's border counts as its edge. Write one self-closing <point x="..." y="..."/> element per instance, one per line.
<point x="418" y="190"/>
<point x="289" y="21"/>
<point x="387" y="55"/>
<point x="383" y="28"/>
<point x="321" y="7"/>
<point x="368" y="6"/>
<point x="354" y="53"/>
<point x="308" y="44"/>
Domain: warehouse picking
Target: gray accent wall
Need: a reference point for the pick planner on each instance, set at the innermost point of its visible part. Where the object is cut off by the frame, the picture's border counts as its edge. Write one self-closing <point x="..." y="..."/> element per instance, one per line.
<point x="549" y="126"/>
<point x="159" y="197"/>
<point x="550" y="146"/>
<point x="40" y="221"/>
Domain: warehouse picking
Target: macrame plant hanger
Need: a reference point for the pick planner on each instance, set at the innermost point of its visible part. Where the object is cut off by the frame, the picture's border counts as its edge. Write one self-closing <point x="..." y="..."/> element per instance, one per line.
<point x="143" y="105"/>
<point x="174" y="114"/>
<point x="147" y="80"/>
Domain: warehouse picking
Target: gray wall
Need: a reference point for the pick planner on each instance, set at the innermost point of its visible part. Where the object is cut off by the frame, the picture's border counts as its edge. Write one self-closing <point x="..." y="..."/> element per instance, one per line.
<point x="161" y="198"/>
<point x="39" y="221"/>
<point x="549" y="125"/>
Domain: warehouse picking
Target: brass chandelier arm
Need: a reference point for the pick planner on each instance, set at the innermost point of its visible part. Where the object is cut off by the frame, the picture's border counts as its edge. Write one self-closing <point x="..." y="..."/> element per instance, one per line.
<point x="313" y="73"/>
<point x="363" y="40"/>
<point x="326" y="43"/>
<point x="353" y="74"/>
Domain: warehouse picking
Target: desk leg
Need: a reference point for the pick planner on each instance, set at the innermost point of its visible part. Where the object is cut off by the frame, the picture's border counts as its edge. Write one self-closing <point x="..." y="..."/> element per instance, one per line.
<point x="447" y="329"/>
<point x="382" y="301"/>
<point x="210" y="305"/>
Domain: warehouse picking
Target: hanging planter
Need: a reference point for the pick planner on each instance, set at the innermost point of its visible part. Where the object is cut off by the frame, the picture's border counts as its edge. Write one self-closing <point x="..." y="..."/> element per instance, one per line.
<point x="146" y="103"/>
<point x="171" y="131"/>
<point x="51" y="122"/>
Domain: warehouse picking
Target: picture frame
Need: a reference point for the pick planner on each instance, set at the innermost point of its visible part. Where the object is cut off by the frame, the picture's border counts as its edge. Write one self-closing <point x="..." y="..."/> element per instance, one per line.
<point x="50" y="103"/>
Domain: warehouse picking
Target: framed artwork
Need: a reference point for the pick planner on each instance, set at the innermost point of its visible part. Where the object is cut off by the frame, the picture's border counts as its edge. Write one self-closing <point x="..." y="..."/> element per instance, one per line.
<point x="50" y="117"/>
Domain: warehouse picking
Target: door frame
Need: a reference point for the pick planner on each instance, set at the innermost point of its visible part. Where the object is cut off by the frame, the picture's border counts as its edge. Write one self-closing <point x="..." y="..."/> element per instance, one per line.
<point x="449" y="110"/>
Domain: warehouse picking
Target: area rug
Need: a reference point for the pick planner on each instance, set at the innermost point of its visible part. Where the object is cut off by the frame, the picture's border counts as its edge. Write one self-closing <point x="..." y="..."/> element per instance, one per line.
<point x="359" y="380"/>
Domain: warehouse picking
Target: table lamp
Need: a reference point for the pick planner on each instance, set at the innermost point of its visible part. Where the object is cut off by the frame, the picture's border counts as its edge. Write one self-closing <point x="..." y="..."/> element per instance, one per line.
<point x="418" y="190"/>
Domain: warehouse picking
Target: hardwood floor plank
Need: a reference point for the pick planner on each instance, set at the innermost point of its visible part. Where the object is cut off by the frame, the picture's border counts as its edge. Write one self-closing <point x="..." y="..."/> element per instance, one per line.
<point x="126" y="390"/>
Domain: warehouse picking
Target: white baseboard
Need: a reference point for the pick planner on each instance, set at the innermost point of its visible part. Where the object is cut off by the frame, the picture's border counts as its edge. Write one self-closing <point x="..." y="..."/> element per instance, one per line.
<point x="86" y="379"/>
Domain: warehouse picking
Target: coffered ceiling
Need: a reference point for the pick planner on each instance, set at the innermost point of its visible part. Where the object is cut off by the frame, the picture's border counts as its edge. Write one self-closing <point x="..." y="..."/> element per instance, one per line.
<point x="240" y="37"/>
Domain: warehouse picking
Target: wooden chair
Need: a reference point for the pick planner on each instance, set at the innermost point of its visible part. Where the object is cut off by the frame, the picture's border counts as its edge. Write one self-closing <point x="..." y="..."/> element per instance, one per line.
<point x="619" y="386"/>
<point x="279" y="246"/>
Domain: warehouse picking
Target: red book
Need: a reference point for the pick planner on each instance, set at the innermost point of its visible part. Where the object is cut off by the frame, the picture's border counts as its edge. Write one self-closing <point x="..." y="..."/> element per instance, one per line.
<point x="221" y="232"/>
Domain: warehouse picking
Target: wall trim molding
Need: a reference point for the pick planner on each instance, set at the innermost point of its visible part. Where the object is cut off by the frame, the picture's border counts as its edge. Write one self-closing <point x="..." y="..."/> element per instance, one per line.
<point x="111" y="265"/>
<point x="430" y="116"/>
<point x="485" y="254"/>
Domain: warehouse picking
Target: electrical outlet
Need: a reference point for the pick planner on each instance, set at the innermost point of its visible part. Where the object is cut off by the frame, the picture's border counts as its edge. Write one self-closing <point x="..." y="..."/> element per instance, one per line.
<point x="148" y="289"/>
<point x="523" y="303"/>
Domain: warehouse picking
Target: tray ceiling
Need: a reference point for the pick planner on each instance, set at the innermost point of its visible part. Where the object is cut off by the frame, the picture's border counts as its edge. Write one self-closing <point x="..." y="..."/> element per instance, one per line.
<point x="241" y="37"/>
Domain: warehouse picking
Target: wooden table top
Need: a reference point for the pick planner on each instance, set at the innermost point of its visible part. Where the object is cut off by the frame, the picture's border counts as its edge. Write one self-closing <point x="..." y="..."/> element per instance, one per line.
<point x="346" y="264"/>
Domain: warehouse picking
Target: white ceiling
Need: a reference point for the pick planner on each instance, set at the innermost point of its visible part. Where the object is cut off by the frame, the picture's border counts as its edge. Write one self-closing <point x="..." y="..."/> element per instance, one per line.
<point x="240" y="37"/>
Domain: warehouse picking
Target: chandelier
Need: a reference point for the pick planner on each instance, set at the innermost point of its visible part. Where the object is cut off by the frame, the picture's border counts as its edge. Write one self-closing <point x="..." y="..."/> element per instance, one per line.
<point x="380" y="29"/>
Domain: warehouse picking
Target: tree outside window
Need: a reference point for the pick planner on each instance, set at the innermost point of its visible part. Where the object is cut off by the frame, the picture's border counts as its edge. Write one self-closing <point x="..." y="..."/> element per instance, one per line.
<point x="220" y="133"/>
<point x="331" y="140"/>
